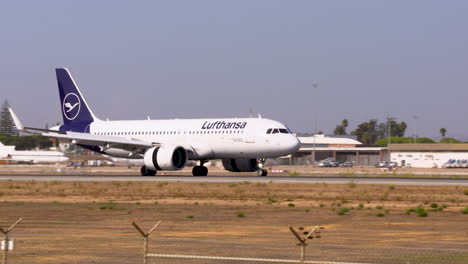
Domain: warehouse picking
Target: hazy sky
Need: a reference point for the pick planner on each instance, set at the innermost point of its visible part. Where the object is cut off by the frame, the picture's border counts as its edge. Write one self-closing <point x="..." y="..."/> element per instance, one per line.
<point x="195" y="59"/>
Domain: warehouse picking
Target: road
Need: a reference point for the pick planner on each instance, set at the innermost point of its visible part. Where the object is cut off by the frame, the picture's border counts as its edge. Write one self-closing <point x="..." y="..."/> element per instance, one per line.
<point x="234" y="179"/>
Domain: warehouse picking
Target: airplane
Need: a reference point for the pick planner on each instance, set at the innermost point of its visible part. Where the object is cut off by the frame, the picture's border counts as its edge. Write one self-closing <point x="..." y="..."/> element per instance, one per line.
<point x="243" y="144"/>
<point x="30" y="157"/>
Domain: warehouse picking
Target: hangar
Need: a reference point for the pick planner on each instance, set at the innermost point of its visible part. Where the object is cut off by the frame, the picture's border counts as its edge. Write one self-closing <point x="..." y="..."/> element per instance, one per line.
<point x="340" y="148"/>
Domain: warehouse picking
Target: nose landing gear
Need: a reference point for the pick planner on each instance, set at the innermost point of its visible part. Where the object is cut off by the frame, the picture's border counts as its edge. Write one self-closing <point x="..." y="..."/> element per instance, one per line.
<point x="200" y="170"/>
<point x="261" y="171"/>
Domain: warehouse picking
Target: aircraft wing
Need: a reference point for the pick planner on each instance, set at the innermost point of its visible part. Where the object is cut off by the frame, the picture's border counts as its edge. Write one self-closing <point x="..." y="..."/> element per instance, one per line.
<point x="86" y="138"/>
<point x="98" y="140"/>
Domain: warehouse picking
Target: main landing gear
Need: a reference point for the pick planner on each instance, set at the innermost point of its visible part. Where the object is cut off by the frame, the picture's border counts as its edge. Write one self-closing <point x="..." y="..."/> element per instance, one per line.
<point x="147" y="172"/>
<point x="261" y="171"/>
<point x="200" y="170"/>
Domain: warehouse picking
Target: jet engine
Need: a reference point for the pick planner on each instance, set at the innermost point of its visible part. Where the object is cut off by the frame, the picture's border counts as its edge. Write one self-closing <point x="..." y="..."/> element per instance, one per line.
<point x="240" y="165"/>
<point x="165" y="158"/>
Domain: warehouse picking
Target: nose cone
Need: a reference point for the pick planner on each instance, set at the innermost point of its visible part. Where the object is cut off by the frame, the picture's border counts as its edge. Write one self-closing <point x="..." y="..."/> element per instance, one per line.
<point x="293" y="144"/>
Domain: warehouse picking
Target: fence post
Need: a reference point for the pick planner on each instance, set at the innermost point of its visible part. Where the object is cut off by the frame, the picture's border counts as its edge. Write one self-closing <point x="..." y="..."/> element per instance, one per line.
<point x="145" y="239"/>
<point x="306" y="235"/>
<point x="7" y="240"/>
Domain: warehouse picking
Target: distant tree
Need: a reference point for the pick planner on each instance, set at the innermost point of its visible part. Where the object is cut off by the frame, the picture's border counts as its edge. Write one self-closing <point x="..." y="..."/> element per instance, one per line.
<point x="27" y="142"/>
<point x="7" y="126"/>
<point x="424" y="140"/>
<point x="341" y="128"/>
<point x="449" y="140"/>
<point x="367" y="132"/>
<point x="396" y="129"/>
<point x="442" y="132"/>
<point x="383" y="142"/>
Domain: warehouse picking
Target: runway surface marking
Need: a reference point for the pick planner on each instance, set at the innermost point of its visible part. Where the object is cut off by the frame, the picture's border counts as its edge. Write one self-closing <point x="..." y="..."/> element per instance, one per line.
<point x="236" y="179"/>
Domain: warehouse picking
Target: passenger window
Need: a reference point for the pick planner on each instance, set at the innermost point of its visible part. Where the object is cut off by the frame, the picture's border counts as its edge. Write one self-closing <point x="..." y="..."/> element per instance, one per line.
<point x="275" y="131"/>
<point x="269" y="131"/>
<point x="283" y="131"/>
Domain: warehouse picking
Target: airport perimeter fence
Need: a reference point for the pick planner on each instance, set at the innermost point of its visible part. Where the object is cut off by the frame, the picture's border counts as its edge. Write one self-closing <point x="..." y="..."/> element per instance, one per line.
<point x="126" y="250"/>
<point x="47" y="246"/>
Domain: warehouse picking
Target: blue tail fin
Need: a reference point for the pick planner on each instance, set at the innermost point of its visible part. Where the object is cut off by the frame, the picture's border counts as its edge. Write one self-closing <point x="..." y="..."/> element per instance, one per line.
<point x="76" y="114"/>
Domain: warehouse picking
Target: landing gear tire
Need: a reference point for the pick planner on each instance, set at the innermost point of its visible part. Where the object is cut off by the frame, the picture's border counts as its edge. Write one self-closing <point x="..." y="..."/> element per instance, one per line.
<point x="200" y="171"/>
<point x="147" y="172"/>
<point x="262" y="172"/>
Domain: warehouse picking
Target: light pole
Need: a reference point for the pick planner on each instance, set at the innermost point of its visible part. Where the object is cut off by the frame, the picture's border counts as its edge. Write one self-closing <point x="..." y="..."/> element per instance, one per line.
<point x="315" y="85"/>
<point x="415" y="117"/>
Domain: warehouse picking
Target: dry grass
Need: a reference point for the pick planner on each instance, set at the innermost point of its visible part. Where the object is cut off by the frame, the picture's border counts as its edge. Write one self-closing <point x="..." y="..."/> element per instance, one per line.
<point x="367" y="215"/>
<point x="244" y="192"/>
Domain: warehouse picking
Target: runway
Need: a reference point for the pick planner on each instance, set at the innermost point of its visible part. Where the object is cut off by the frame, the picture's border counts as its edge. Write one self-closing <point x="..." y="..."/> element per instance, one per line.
<point x="237" y="179"/>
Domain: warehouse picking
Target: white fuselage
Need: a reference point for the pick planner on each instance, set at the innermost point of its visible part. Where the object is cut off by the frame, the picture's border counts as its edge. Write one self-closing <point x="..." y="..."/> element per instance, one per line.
<point x="9" y="153"/>
<point x="204" y="138"/>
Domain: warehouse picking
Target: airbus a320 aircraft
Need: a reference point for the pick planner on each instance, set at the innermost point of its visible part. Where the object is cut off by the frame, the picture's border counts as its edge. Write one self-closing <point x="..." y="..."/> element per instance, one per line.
<point x="243" y="144"/>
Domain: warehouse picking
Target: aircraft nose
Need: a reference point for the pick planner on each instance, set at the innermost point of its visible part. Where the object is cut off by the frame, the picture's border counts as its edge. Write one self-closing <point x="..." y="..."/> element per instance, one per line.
<point x="293" y="144"/>
<point x="297" y="144"/>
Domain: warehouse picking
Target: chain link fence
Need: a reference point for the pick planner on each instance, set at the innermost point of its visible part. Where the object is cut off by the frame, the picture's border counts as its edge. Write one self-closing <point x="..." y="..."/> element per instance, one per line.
<point x="89" y="248"/>
<point x="47" y="242"/>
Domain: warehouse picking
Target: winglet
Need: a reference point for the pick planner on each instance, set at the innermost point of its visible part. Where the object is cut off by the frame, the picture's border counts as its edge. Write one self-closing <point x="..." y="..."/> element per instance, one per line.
<point x="16" y="120"/>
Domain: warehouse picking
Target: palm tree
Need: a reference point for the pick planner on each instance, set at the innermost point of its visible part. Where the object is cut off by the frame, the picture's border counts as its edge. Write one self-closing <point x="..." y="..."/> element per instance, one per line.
<point x="442" y="132"/>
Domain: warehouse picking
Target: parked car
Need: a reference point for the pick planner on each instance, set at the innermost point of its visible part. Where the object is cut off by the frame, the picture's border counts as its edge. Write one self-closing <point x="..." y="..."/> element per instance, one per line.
<point x="382" y="164"/>
<point x="386" y="164"/>
<point x="328" y="163"/>
<point x="347" y="164"/>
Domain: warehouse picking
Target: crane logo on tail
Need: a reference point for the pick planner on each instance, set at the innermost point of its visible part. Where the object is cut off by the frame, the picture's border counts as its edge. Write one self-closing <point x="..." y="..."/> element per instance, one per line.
<point x="71" y="106"/>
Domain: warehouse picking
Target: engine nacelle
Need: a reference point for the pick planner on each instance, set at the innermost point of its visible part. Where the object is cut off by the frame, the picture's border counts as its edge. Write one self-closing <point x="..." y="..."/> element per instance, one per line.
<point x="240" y="165"/>
<point x="165" y="158"/>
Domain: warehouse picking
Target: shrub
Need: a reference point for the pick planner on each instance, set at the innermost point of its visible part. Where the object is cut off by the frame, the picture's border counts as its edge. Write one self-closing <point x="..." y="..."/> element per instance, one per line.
<point x="189" y="216"/>
<point x="449" y="140"/>
<point x="343" y="211"/>
<point x="291" y="205"/>
<point x="322" y="205"/>
<point x="434" y="205"/>
<point x="241" y="215"/>
<point x="391" y="187"/>
<point x="420" y="211"/>
<point x="380" y="215"/>
<point x="293" y="173"/>
<point x="465" y="210"/>
<point x="379" y="207"/>
<point x="271" y="200"/>
<point x="465" y="192"/>
<point x="361" y="205"/>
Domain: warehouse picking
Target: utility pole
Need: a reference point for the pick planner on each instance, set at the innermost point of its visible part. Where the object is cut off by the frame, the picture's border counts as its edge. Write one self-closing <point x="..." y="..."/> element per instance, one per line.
<point x="6" y="240"/>
<point x="146" y="238"/>
<point x="315" y="84"/>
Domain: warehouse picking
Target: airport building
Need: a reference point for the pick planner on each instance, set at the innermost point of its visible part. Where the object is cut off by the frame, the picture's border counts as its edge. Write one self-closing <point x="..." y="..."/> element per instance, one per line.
<point x="340" y="148"/>
<point x="429" y="155"/>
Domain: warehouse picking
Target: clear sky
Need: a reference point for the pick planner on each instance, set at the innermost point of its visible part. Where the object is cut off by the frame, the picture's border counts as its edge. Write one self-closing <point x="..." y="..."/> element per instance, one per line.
<point x="195" y="59"/>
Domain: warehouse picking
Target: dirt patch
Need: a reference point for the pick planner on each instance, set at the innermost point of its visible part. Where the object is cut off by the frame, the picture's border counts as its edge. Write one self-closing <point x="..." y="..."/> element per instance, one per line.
<point x="84" y="222"/>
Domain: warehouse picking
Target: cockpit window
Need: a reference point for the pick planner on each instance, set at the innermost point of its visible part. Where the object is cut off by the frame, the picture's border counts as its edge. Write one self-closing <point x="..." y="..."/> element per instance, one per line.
<point x="283" y="131"/>
<point x="275" y="131"/>
<point x="269" y="131"/>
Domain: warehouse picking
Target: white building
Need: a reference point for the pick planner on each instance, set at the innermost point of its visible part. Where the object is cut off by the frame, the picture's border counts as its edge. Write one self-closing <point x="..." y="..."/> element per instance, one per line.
<point x="427" y="155"/>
